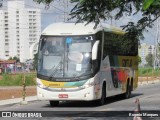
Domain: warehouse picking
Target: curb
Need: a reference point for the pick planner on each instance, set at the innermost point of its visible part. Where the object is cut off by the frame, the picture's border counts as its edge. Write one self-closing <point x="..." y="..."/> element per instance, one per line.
<point x="34" y="98"/>
<point x="17" y="100"/>
<point x="148" y="82"/>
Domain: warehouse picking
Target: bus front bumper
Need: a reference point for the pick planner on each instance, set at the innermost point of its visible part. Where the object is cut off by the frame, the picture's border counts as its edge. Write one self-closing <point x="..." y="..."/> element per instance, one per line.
<point x="86" y="94"/>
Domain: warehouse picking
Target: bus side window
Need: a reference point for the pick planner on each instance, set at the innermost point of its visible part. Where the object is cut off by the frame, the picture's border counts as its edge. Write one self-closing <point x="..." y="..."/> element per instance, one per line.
<point x="119" y="44"/>
<point x="96" y="63"/>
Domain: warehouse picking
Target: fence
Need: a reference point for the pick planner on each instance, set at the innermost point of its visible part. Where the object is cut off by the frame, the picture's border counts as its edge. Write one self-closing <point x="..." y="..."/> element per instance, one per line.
<point x="148" y="74"/>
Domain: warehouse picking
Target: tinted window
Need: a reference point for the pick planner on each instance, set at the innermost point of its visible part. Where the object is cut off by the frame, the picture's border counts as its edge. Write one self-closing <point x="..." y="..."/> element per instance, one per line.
<point x="116" y="44"/>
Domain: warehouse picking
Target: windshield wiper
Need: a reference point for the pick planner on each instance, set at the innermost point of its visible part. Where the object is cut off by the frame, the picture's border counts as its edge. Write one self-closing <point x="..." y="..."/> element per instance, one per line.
<point x="55" y="69"/>
<point x="82" y="75"/>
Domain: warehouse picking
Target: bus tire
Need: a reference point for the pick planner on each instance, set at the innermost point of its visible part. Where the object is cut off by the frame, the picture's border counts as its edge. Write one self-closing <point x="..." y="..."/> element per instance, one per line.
<point x="54" y="103"/>
<point x="127" y="94"/>
<point x="102" y="100"/>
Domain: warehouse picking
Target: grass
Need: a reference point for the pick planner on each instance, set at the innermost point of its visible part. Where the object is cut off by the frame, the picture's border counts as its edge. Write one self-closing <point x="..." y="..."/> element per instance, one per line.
<point x="17" y="80"/>
<point x="144" y="72"/>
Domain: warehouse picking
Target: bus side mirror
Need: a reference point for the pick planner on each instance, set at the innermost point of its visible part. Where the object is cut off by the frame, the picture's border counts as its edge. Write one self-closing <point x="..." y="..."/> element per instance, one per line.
<point x="95" y="50"/>
<point x="41" y="43"/>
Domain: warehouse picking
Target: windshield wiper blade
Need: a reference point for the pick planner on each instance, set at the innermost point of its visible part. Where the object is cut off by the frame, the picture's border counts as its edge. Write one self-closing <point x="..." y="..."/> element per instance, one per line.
<point x="76" y="77"/>
<point x="55" y="69"/>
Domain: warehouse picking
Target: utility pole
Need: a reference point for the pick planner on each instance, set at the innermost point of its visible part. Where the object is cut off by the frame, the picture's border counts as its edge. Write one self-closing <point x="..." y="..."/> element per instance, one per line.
<point x="156" y="60"/>
<point x="1" y="3"/>
<point x="64" y="4"/>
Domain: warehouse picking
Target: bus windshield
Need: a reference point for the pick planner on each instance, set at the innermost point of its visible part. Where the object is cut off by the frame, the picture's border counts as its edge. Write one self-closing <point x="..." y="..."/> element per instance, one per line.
<point x="65" y="57"/>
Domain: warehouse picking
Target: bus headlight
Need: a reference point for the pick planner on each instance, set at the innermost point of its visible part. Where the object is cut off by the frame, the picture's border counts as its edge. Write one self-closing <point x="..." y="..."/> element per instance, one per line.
<point x="40" y="84"/>
<point x="88" y="85"/>
<point x="86" y="55"/>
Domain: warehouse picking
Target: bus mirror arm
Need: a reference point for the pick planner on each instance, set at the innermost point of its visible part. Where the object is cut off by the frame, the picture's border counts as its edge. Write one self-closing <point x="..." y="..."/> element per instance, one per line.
<point x="40" y="43"/>
<point x="95" y="50"/>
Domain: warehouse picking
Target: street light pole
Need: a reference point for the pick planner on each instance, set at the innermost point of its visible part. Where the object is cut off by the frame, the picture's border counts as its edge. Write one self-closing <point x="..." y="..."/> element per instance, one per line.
<point x="156" y="59"/>
<point x="1" y="3"/>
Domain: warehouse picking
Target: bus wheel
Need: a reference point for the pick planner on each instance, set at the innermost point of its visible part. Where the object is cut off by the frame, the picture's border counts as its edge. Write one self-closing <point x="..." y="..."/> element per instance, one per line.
<point x="54" y="103"/>
<point x="127" y="94"/>
<point x="102" y="100"/>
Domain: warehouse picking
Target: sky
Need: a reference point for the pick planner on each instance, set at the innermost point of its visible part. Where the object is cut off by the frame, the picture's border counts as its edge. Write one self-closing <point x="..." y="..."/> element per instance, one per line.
<point x="55" y="13"/>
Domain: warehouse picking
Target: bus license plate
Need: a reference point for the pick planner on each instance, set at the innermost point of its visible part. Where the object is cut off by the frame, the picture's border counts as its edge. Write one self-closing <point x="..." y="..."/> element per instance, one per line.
<point x="63" y="95"/>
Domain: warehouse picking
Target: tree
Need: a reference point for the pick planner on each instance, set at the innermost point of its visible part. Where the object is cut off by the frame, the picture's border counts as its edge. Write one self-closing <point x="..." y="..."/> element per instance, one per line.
<point x="14" y="58"/>
<point x="35" y="62"/>
<point x="149" y="60"/>
<point x="139" y="60"/>
<point x="97" y="10"/>
<point x="10" y="58"/>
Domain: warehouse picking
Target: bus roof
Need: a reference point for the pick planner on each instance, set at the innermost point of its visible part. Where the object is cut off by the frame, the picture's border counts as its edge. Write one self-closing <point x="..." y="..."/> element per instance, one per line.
<point x="62" y="29"/>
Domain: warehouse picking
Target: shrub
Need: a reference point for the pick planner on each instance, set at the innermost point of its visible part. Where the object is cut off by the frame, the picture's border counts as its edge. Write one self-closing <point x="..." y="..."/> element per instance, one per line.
<point x="17" y="80"/>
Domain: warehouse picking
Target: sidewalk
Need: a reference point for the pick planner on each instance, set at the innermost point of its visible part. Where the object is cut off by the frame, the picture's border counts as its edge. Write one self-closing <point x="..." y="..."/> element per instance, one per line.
<point x="11" y="92"/>
<point x="17" y="100"/>
<point x="142" y="83"/>
<point x="34" y="98"/>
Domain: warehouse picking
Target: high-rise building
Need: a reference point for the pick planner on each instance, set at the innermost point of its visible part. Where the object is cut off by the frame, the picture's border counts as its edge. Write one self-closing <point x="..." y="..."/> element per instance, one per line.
<point x="144" y="50"/>
<point x="20" y="28"/>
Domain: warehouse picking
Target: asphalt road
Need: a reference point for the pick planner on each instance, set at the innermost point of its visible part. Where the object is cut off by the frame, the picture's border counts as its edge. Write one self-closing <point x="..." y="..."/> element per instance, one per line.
<point x="149" y="97"/>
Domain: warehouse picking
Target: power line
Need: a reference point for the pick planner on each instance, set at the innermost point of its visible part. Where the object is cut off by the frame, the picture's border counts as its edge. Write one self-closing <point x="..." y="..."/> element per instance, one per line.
<point x="64" y="12"/>
<point x="42" y="8"/>
<point x="26" y="8"/>
<point x="33" y="7"/>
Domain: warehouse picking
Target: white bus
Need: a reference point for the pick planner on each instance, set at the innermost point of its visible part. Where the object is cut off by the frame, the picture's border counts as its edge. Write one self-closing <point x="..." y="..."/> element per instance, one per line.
<point x="79" y="63"/>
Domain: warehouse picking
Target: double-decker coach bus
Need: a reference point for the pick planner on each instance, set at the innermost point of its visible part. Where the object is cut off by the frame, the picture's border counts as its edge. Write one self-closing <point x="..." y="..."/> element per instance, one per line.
<point x="79" y="63"/>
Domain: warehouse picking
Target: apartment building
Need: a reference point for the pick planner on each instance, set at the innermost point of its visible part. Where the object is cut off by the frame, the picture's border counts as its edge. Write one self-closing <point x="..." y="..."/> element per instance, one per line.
<point x="144" y="50"/>
<point x="20" y="29"/>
